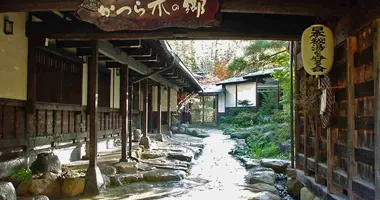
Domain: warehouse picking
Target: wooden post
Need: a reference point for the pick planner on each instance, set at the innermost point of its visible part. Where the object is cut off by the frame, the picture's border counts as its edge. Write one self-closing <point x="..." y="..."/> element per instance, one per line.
<point x="291" y="104"/>
<point x="216" y="108"/>
<point x="297" y="125"/>
<point x="351" y="49"/>
<point x="331" y="162"/>
<point x="376" y="55"/>
<point x="145" y="90"/>
<point x="124" y="82"/>
<point x="203" y="109"/>
<point x="305" y="139"/>
<point x="130" y="114"/>
<point x="169" y="110"/>
<point x="159" y="130"/>
<point x="94" y="179"/>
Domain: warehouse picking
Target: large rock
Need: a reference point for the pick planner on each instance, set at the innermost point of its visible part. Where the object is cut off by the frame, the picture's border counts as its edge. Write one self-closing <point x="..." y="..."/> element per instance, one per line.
<point x="294" y="188"/>
<point x="127" y="167"/>
<point x="174" y="129"/>
<point x="306" y="194"/>
<point x="291" y="172"/>
<point x="261" y="175"/>
<point x="46" y="162"/>
<point x="265" y="196"/>
<point x="48" y="187"/>
<point x="7" y="191"/>
<point x="136" y="135"/>
<point x="169" y="133"/>
<point x="279" y="166"/>
<point x="269" y="135"/>
<point x="186" y="156"/>
<point x="240" y="135"/>
<point x="164" y="175"/>
<point x="248" y="162"/>
<point x="121" y="179"/>
<point x="107" y="170"/>
<point x="143" y="167"/>
<point x="284" y="146"/>
<point x="153" y="154"/>
<point x="145" y="141"/>
<point x="261" y="187"/>
<point x="50" y="175"/>
<point x="37" y="197"/>
<point x="72" y="187"/>
<point x="159" y="137"/>
<point x="106" y="180"/>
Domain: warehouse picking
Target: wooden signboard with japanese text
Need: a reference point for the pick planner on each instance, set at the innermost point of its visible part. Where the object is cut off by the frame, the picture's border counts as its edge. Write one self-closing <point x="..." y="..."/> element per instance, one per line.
<point x="115" y="15"/>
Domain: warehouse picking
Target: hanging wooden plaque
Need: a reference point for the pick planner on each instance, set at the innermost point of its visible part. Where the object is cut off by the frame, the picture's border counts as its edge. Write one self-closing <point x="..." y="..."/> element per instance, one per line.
<point x="115" y="15"/>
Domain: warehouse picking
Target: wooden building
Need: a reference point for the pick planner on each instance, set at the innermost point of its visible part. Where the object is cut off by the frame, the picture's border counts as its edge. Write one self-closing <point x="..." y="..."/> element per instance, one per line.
<point x="342" y="160"/>
<point x="248" y="87"/>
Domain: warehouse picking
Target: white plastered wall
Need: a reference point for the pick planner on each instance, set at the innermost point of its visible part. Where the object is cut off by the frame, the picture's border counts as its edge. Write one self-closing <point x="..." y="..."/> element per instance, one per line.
<point x="173" y="100"/>
<point x="84" y="83"/>
<point x="13" y="58"/>
<point x="247" y="91"/>
<point x="230" y="95"/>
<point x="115" y="89"/>
<point x="221" y="103"/>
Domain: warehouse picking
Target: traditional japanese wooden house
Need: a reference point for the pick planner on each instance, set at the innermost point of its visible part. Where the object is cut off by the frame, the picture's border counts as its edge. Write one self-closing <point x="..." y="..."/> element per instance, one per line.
<point x="342" y="160"/>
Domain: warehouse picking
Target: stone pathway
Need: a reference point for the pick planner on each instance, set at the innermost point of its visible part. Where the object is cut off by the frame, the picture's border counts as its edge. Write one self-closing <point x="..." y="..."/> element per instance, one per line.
<point x="213" y="175"/>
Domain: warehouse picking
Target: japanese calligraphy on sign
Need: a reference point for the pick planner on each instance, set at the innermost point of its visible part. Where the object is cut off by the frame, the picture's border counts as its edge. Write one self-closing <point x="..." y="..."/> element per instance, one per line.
<point x="318" y="44"/>
<point x="317" y="49"/>
<point x="114" y="15"/>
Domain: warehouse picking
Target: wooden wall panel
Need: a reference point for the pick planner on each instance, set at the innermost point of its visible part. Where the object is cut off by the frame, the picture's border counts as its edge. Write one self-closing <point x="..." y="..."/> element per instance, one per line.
<point x="9" y="122"/>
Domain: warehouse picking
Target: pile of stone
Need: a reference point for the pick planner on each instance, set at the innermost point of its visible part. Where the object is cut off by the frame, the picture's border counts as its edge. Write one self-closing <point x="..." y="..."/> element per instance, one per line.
<point x="185" y="129"/>
<point x="275" y="178"/>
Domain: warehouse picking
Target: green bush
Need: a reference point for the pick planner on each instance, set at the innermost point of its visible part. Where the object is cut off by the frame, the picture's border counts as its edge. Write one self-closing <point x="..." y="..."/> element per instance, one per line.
<point x="22" y="174"/>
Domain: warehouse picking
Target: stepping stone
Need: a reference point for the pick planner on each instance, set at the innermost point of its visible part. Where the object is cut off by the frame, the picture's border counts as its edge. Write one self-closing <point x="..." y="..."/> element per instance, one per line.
<point x="164" y="175"/>
<point x="153" y="154"/>
<point x="121" y="179"/>
<point x="279" y="166"/>
<point x="127" y="167"/>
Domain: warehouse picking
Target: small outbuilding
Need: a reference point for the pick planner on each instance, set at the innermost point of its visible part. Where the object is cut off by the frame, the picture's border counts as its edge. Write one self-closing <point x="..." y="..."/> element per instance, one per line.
<point x="245" y="91"/>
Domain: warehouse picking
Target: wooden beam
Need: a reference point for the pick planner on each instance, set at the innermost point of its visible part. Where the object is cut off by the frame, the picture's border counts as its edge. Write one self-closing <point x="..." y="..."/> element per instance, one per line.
<point x="233" y="26"/>
<point x="124" y="83"/>
<point x="351" y="143"/>
<point x="120" y="56"/>
<point x="285" y="7"/>
<point x="289" y="7"/>
<point x="141" y="53"/>
<point x="376" y="63"/>
<point x="151" y="74"/>
<point x="159" y="111"/>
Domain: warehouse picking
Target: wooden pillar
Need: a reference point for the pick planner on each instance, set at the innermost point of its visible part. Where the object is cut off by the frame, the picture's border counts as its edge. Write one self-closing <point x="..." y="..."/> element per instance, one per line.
<point x="94" y="179"/>
<point x="297" y="125"/>
<point x="169" y="110"/>
<point x="124" y="82"/>
<point x="145" y="90"/>
<point x="130" y="114"/>
<point x="305" y="138"/>
<point x="150" y="109"/>
<point x="203" y="109"/>
<point x="351" y="143"/>
<point x="376" y="55"/>
<point x="159" y="130"/>
<point x="216" y="108"/>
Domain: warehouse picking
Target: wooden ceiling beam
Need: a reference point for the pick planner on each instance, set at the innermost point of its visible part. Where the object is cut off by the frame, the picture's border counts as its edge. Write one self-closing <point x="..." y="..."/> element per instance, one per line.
<point x="116" y="54"/>
<point x="288" y="7"/>
<point x="233" y="26"/>
<point x="127" y="44"/>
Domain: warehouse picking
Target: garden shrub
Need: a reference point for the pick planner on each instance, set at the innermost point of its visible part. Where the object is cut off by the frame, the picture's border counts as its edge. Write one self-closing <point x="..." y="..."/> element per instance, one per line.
<point x="22" y="174"/>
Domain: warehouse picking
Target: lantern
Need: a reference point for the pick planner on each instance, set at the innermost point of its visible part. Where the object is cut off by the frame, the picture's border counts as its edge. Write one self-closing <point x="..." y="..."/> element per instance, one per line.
<point x="317" y="47"/>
